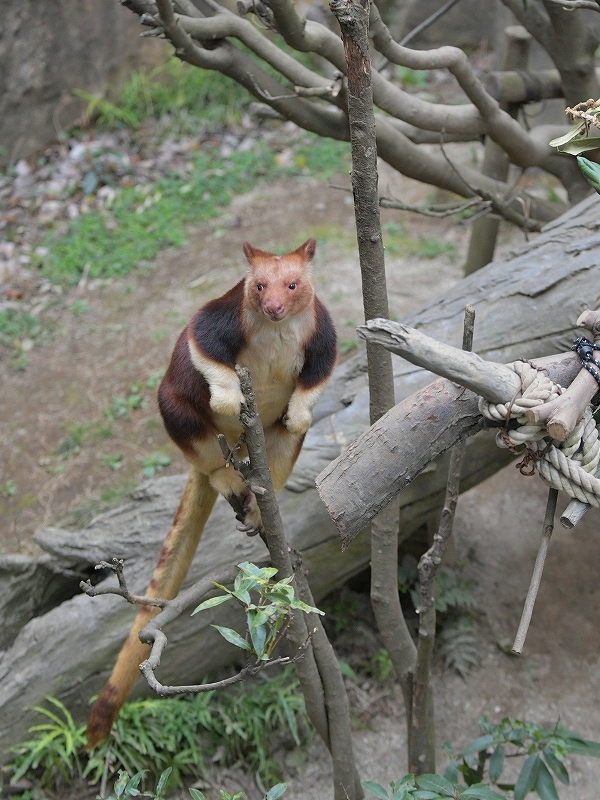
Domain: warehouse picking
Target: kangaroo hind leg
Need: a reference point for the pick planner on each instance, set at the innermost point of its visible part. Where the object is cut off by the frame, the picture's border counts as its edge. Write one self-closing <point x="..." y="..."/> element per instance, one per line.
<point x="175" y="557"/>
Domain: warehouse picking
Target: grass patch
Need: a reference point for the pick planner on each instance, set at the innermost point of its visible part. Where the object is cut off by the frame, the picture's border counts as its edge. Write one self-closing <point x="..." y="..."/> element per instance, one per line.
<point x="17" y="326"/>
<point x="19" y="331"/>
<point x="186" y="733"/>
<point x="180" y="91"/>
<point x="321" y="158"/>
<point x="141" y="220"/>
<point x="398" y="242"/>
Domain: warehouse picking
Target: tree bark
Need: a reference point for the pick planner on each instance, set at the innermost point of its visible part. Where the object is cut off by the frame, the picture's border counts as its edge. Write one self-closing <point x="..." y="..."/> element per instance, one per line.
<point x="353" y="19"/>
<point x="484" y="231"/>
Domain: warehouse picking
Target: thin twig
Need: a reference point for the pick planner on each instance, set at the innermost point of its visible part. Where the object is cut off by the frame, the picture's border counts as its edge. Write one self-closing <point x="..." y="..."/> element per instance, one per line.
<point x="571" y="5"/>
<point x="427" y="211"/>
<point x="117" y="566"/>
<point x="147" y="669"/>
<point x="171" y="609"/>
<point x="427" y="22"/>
<point x="500" y="206"/>
<point x="537" y="573"/>
<point x="266" y="95"/>
<point x="422" y="743"/>
<point x="229" y="453"/>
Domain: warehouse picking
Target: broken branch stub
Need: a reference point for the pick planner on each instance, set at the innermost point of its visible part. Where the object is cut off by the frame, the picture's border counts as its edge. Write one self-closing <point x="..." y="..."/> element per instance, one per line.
<point x="495" y="382"/>
<point x="562" y="415"/>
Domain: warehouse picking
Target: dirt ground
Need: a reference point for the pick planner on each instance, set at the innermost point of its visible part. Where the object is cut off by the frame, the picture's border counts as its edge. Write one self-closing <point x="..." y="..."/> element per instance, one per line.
<point x="68" y="459"/>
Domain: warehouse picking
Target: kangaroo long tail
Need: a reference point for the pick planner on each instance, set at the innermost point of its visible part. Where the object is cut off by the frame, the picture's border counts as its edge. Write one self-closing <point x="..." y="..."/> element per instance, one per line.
<point x="175" y="557"/>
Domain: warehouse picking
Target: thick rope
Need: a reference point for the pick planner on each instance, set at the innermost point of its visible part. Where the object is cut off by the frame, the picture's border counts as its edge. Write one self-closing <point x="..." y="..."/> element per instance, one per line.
<point x="570" y="466"/>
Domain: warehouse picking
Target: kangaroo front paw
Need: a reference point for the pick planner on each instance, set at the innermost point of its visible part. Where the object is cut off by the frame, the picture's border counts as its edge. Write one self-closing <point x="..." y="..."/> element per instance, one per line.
<point x="226" y="402"/>
<point x="299" y="422"/>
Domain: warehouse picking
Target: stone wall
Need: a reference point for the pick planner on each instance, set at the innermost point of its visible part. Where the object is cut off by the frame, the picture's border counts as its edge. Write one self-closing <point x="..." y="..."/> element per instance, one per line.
<point x="48" y="48"/>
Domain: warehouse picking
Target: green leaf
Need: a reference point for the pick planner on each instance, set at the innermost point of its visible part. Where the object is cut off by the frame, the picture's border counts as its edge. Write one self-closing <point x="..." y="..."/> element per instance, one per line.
<point x="591" y="171"/>
<point x="121" y="783"/>
<point x="485" y="724"/>
<point x="544" y="785"/>
<point x="243" y="596"/>
<point x="481" y="792"/>
<point x="557" y="767"/>
<point x="211" y="603"/>
<point x="133" y="783"/>
<point x="425" y="794"/>
<point x="527" y="777"/>
<point x="481" y="743"/>
<point x="561" y="140"/>
<point x="346" y="669"/>
<point x="259" y="617"/>
<point x="451" y="774"/>
<point x="403" y="789"/>
<point x="276" y="791"/>
<point x="233" y="637"/>
<point x="285" y="581"/>
<point x="245" y="583"/>
<point x="581" y="145"/>
<point x="285" y="594"/>
<point x="304" y="607"/>
<point x="582" y="747"/>
<point x="408" y="781"/>
<point x="264" y="573"/>
<point x="376" y="789"/>
<point x="496" y="764"/>
<point x="435" y="783"/>
<point x="258" y="635"/>
<point x="162" y="781"/>
<point x="197" y="794"/>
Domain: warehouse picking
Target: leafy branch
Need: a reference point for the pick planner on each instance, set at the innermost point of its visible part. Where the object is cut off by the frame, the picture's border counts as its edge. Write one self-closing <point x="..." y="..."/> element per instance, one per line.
<point x="268" y="618"/>
<point x="480" y="764"/>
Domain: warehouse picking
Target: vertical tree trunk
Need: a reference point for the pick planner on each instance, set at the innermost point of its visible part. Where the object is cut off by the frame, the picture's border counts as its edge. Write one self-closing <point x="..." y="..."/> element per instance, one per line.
<point x="353" y="18"/>
<point x="421" y="755"/>
<point x="484" y="231"/>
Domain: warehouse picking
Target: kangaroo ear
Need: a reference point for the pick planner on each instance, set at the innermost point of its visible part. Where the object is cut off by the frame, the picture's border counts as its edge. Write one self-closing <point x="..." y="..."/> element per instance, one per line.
<point x="249" y="251"/>
<point x="307" y="250"/>
<point x="254" y="255"/>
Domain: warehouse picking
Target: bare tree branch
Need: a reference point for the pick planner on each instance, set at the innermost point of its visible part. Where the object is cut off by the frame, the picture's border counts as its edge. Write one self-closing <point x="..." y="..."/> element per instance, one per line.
<point x="571" y="5"/>
<point x="205" y="36"/>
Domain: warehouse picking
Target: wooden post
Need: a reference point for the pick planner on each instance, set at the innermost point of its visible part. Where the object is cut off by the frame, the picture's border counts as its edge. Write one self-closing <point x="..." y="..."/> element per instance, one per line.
<point x="484" y="231"/>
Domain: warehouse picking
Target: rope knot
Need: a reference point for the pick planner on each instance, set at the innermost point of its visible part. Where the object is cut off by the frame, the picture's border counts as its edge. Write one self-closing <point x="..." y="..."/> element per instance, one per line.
<point x="570" y="465"/>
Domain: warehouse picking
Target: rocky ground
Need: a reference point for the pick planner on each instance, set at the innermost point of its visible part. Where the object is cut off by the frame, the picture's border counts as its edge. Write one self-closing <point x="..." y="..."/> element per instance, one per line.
<point x="68" y="451"/>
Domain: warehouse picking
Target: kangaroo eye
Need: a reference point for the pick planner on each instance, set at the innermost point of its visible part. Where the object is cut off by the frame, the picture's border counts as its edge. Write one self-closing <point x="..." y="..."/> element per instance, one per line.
<point x="259" y="287"/>
<point x="292" y="286"/>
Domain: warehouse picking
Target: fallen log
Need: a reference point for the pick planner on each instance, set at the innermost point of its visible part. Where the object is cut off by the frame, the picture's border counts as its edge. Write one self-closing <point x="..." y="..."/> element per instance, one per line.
<point x="525" y="307"/>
